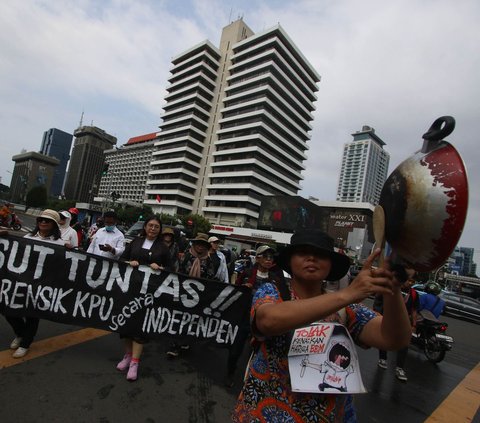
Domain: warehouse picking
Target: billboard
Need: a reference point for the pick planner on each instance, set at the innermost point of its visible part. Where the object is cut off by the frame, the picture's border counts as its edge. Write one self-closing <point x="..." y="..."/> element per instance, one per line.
<point x="350" y="227"/>
<point x="291" y="213"/>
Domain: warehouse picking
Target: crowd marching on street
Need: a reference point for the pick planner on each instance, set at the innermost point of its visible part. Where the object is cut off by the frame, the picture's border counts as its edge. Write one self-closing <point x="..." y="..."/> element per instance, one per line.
<point x="290" y="292"/>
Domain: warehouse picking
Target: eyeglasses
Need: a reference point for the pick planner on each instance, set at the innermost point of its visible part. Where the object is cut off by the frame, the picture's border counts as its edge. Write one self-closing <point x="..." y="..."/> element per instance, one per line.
<point x="153" y="226"/>
<point x="44" y="220"/>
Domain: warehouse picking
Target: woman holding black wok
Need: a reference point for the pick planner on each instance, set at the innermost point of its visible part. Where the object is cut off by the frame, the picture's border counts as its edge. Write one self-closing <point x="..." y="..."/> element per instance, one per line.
<point x="267" y="394"/>
<point x="147" y="249"/>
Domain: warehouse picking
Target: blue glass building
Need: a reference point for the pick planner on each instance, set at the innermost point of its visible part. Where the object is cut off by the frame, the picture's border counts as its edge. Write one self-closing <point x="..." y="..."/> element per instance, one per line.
<point x="57" y="143"/>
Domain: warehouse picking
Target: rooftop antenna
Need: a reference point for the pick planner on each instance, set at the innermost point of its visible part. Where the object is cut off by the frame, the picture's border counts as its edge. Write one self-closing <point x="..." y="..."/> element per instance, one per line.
<point x="81" y="120"/>
<point x="230" y="16"/>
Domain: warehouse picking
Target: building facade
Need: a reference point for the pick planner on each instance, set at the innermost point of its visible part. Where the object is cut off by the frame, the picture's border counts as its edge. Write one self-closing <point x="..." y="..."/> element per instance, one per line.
<point x="57" y="143"/>
<point x="127" y="173"/>
<point x="31" y="169"/>
<point x="86" y="163"/>
<point x="349" y="224"/>
<point x="364" y="168"/>
<point x="462" y="261"/>
<point x="235" y="128"/>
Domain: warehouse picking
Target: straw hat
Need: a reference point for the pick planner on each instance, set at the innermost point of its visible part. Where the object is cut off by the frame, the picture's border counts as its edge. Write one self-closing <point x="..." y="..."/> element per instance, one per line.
<point x="50" y="214"/>
<point x="201" y="237"/>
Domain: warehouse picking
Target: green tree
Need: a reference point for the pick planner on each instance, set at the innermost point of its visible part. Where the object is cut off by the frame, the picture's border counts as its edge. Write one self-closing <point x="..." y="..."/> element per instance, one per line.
<point x="56" y="204"/>
<point x="131" y="214"/>
<point x="37" y="197"/>
<point x="195" y="223"/>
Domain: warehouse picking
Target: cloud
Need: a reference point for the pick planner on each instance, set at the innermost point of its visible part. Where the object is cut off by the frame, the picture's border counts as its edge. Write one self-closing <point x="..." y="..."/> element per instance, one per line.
<point x="395" y="66"/>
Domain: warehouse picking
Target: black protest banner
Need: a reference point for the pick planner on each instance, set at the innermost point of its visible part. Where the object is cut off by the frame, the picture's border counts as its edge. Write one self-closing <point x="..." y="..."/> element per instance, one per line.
<point x="47" y="281"/>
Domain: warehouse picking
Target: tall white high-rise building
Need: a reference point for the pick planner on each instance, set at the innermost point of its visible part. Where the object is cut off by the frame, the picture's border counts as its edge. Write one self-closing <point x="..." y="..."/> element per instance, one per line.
<point x="236" y="126"/>
<point x="127" y="172"/>
<point x="364" y="168"/>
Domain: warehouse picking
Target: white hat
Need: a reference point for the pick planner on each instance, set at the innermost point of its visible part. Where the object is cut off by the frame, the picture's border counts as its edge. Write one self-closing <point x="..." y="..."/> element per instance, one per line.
<point x="65" y="214"/>
<point x="213" y="239"/>
<point x="263" y="248"/>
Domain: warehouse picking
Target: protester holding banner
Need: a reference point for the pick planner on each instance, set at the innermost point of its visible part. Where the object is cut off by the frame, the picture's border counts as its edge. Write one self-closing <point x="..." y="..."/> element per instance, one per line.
<point x="197" y="262"/>
<point x="69" y="235"/>
<point x="109" y="240"/>
<point x="269" y="393"/>
<point x="46" y="230"/>
<point x="148" y="249"/>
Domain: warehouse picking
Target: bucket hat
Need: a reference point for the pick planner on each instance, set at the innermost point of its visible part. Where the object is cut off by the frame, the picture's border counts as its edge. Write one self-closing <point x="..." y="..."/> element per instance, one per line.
<point x="50" y="214"/>
<point x="168" y="231"/>
<point x="263" y="248"/>
<point x="201" y="237"/>
<point x="324" y="244"/>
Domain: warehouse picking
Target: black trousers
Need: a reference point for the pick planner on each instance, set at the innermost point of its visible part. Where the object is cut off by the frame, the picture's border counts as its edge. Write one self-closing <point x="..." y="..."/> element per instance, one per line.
<point x="25" y="328"/>
<point x="401" y="356"/>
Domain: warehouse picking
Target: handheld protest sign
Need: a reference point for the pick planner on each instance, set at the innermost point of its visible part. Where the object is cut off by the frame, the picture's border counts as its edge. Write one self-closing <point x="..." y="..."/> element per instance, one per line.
<point x="425" y="200"/>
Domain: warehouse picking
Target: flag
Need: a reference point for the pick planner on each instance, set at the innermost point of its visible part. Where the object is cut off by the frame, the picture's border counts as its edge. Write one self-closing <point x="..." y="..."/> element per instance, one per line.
<point x="158" y="198"/>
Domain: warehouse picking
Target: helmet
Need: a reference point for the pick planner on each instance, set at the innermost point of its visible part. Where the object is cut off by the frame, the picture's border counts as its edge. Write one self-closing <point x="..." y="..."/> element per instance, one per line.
<point x="433" y="288"/>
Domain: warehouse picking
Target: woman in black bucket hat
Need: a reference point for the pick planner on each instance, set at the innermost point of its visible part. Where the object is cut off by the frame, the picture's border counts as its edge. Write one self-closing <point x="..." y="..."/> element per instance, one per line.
<point x="274" y="387"/>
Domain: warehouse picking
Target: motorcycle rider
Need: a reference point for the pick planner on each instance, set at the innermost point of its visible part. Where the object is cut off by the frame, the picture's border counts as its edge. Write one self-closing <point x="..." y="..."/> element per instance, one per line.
<point x="431" y="301"/>
<point x="5" y="213"/>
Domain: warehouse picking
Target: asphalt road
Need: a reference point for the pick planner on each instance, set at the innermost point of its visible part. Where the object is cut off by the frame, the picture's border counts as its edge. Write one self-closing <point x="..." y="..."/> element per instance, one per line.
<point x="80" y="383"/>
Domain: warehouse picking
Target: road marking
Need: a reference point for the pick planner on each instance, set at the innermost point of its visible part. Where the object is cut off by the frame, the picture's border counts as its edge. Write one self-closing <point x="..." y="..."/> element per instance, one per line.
<point x="49" y="345"/>
<point x="462" y="403"/>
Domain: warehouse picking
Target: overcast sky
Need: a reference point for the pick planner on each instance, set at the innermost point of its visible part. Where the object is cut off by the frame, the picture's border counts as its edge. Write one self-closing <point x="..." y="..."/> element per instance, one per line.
<point x="392" y="65"/>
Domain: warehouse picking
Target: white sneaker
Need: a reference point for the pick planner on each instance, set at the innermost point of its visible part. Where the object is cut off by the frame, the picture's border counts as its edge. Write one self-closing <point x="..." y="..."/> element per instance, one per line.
<point x="382" y="363"/>
<point x="400" y="374"/>
<point x="15" y="343"/>
<point x="20" y="352"/>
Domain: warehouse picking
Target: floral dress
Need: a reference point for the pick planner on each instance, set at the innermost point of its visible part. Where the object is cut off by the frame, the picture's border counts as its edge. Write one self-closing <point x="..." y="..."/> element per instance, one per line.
<point x="267" y="396"/>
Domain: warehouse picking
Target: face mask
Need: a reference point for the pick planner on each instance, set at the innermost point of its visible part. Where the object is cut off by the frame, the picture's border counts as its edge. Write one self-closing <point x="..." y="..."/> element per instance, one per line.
<point x="110" y="228"/>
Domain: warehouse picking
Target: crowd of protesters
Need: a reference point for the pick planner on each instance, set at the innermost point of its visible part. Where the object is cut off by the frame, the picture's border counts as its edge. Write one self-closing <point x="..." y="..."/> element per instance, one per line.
<point x="289" y="291"/>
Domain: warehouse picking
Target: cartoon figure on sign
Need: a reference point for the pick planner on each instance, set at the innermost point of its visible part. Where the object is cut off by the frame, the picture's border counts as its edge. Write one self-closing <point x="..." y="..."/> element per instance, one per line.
<point x="336" y="369"/>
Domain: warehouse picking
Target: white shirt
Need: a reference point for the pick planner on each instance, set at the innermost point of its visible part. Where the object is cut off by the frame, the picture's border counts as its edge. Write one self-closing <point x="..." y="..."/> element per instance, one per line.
<point x="102" y="237"/>
<point x="69" y="235"/>
<point x="49" y="239"/>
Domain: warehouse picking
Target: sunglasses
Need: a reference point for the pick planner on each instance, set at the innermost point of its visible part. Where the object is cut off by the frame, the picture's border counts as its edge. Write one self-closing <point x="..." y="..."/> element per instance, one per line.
<point x="44" y="220"/>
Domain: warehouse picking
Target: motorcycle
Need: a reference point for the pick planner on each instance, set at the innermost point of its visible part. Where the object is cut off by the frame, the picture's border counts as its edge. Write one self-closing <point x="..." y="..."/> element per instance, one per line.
<point x="11" y="221"/>
<point x="430" y="337"/>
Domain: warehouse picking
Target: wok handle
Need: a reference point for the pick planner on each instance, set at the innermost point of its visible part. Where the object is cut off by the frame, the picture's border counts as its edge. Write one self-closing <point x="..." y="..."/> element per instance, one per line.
<point x="437" y="132"/>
